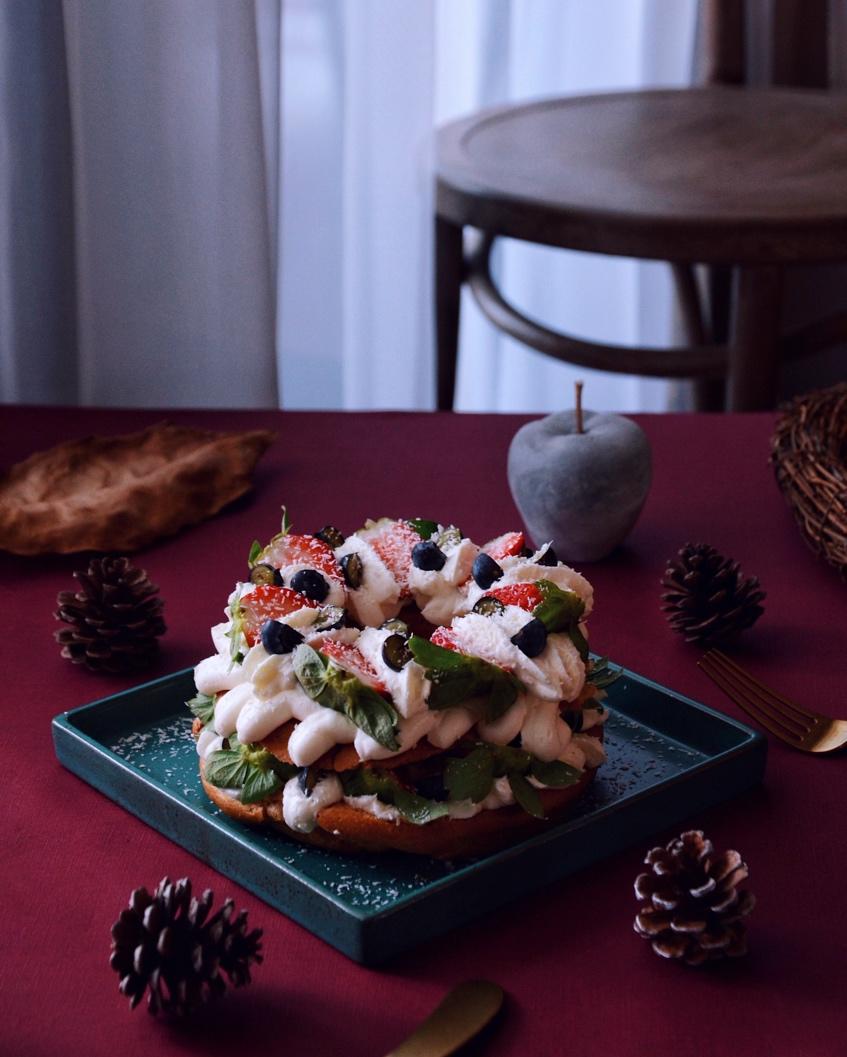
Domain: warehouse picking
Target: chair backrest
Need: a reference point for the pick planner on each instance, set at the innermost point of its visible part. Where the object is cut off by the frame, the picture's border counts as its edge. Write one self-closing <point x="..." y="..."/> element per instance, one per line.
<point x="778" y="42"/>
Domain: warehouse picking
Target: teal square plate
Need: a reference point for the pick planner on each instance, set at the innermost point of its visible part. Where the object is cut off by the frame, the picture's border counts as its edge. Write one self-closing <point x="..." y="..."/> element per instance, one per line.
<point x="669" y="758"/>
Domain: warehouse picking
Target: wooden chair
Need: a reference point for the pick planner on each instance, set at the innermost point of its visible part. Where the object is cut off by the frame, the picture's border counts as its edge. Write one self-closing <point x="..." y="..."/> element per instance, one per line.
<point x="746" y="181"/>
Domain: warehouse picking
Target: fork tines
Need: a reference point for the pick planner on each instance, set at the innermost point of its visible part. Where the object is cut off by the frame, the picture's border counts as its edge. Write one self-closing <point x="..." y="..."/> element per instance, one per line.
<point x="780" y="716"/>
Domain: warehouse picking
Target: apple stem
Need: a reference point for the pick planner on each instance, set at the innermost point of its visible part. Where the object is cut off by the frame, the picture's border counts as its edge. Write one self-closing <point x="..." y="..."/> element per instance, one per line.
<point x="578" y="388"/>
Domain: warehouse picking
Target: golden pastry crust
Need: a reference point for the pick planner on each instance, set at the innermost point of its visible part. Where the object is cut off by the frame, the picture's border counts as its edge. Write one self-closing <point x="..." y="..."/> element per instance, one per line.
<point x="449" y="838"/>
<point x="341" y="827"/>
<point x="270" y="813"/>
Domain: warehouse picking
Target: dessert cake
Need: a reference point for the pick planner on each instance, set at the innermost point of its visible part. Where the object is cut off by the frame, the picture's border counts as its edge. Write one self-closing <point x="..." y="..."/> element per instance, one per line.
<point x="401" y="688"/>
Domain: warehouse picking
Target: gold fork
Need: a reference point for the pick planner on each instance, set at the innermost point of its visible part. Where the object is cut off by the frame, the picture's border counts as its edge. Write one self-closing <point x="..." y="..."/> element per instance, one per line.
<point x="796" y="726"/>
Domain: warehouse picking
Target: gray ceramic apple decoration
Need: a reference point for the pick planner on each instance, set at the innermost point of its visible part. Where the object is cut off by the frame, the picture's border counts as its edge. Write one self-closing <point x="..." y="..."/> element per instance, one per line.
<point x="580" y="480"/>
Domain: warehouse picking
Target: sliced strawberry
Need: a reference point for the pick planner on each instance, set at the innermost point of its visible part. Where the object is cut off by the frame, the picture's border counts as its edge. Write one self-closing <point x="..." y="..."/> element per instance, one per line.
<point x="527" y="596"/>
<point x="269" y="602"/>
<point x="394" y="541"/>
<point x="505" y="546"/>
<point x="352" y="660"/>
<point x="302" y="550"/>
<point x="445" y="638"/>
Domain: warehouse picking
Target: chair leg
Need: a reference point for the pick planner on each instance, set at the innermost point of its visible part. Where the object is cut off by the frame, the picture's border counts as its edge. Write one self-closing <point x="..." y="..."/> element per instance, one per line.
<point x="753" y="383"/>
<point x="447" y="284"/>
<point x="709" y="393"/>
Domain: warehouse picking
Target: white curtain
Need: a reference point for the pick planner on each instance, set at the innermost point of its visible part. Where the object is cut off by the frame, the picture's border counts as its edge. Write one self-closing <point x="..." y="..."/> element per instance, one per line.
<point x="365" y="83"/>
<point x="228" y="202"/>
<point x="153" y="122"/>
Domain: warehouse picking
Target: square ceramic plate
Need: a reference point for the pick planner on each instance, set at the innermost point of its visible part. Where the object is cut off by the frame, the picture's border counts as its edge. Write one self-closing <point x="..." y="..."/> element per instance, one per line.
<point x="669" y="758"/>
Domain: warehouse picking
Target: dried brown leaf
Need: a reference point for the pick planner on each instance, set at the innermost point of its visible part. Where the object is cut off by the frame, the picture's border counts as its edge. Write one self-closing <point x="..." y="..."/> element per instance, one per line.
<point x="123" y="493"/>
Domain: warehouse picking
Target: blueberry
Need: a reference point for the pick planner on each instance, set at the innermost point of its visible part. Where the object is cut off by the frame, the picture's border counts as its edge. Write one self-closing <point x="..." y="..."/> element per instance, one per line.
<point x="310" y="583"/>
<point x="573" y="718"/>
<point x="488" y="605"/>
<point x="548" y="558"/>
<point x="354" y="572"/>
<point x="330" y="617"/>
<point x="531" y="639"/>
<point x="279" y="638"/>
<point x="306" y="779"/>
<point x="331" y="536"/>
<point x="262" y="573"/>
<point x="485" y="570"/>
<point x="428" y="556"/>
<point x="396" y="653"/>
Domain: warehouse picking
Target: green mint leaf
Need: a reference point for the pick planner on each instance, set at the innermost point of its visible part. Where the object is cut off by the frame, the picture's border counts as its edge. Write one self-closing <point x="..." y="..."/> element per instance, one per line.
<point x="203" y="707"/>
<point x="337" y="689"/>
<point x="602" y="675"/>
<point x="365" y="781"/>
<point x="423" y="527"/>
<point x="362" y="705"/>
<point x="283" y="532"/>
<point x="374" y="715"/>
<point x="556" y="773"/>
<point x="418" y="809"/>
<point x="283" y="770"/>
<point x="509" y="760"/>
<point x="579" y="640"/>
<point x="560" y="609"/>
<point x="236" y="631"/>
<point x="460" y="680"/>
<point x="428" y="655"/>
<point x="234" y="635"/>
<point x="452" y="687"/>
<point x="255" y="551"/>
<point x="227" y="769"/>
<point x="526" y="795"/>
<point x="260" y="783"/>
<point x="253" y="770"/>
<point x="503" y="693"/>
<point x="470" y="777"/>
<point x="310" y="670"/>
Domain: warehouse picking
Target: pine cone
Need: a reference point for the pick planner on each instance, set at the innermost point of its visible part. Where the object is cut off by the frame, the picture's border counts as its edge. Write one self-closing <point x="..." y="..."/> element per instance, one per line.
<point x="115" y="617"/>
<point x="163" y="942"/>
<point x="706" y="600"/>
<point x="693" y="910"/>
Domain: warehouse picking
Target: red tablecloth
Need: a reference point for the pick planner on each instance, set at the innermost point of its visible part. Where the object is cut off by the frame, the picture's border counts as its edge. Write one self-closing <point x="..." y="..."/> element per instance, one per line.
<point x="578" y="979"/>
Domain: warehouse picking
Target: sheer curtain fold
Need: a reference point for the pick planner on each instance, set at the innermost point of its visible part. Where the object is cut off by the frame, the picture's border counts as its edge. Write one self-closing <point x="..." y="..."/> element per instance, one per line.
<point x="37" y="286"/>
<point x="171" y="267"/>
<point x="360" y="210"/>
<point x="385" y="242"/>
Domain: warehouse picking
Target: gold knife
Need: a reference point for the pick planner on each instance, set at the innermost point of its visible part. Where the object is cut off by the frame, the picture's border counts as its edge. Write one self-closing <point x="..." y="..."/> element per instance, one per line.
<point x="462" y="1013"/>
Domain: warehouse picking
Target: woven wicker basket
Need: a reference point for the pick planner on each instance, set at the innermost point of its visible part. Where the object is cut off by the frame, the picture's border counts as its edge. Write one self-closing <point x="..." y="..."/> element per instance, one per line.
<point x="809" y="455"/>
